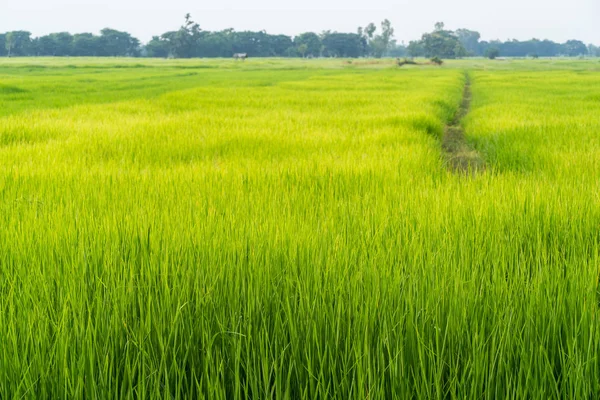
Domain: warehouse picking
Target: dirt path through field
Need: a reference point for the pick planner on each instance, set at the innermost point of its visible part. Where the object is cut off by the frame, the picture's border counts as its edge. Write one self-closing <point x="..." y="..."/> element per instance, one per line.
<point x="460" y="157"/>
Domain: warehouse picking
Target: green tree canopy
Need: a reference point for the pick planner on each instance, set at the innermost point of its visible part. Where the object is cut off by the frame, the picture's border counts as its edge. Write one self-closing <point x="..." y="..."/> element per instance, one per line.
<point x="115" y="43"/>
<point x="18" y="43"/>
<point x="342" y="44"/>
<point x="469" y="40"/>
<point x="442" y="43"/>
<point x="311" y="41"/>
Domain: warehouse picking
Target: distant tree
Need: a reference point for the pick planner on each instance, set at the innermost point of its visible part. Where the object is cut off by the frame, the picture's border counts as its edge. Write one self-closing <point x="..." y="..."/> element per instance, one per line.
<point x="342" y="44"/>
<point x="397" y="50"/>
<point x="190" y="41"/>
<point x="542" y="48"/>
<point x="217" y="44"/>
<point x="469" y="40"/>
<point x="45" y="46"/>
<point x="376" y="45"/>
<point x="170" y="39"/>
<point x="55" y="44"/>
<point x="415" y="48"/>
<point x="515" y="48"/>
<point x="115" y="43"/>
<point x="492" y="53"/>
<point x="157" y="47"/>
<point x="291" y="52"/>
<point x="442" y="43"/>
<point x="18" y="43"/>
<point x="65" y="44"/>
<point x="369" y="30"/>
<point x="277" y="45"/>
<point x="460" y="51"/>
<point x="86" y="45"/>
<point x="547" y="48"/>
<point x="252" y="43"/>
<point x="311" y="41"/>
<point x="9" y="43"/>
<point x="380" y="44"/>
<point x="482" y="47"/>
<point x="182" y="43"/>
<point x="302" y="49"/>
<point x="574" y="48"/>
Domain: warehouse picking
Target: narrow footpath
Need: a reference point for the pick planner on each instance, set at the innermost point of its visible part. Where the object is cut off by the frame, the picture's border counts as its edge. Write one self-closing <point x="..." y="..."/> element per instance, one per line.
<point x="459" y="156"/>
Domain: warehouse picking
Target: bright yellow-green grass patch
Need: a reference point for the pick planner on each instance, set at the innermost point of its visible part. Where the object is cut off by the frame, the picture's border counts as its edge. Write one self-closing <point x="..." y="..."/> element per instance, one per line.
<point x="288" y="229"/>
<point x="542" y="123"/>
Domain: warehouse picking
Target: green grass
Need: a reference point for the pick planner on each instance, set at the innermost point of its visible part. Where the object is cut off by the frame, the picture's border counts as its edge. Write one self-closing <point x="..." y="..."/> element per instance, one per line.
<point x="288" y="229"/>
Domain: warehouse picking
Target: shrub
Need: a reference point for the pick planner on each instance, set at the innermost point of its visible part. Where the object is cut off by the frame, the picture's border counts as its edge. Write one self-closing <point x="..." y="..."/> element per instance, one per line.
<point x="492" y="53"/>
<point x="404" y="62"/>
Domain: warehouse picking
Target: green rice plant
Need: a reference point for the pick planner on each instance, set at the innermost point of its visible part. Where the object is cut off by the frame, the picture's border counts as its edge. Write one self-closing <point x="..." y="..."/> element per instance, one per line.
<point x="288" y="229"/>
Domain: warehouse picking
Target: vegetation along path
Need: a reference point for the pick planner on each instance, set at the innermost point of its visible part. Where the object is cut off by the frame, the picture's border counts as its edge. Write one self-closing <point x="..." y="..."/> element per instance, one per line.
<point x="460" y="157"/>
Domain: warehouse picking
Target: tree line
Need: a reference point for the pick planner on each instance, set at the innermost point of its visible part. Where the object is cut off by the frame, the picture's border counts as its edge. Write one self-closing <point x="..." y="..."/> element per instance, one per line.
<point x="190" y="41"/>
<point x="110" y="43"/>
<point x="369" y="41"/>
<point x="461" y="43"/>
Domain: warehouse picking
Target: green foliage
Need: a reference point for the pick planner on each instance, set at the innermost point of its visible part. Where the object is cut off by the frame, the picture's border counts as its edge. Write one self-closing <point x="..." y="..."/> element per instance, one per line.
<point x="492" y="53"/>
<point x="370" y="30"/>
<point x="404" y="62"/>
<point x="377" y="45"/>
<point x="437" y="61"/>
<point x="543" y="48"/>
<point x="574" y="48"/>
<point x="469" y="41"/>
<point x="337" y="44"/>
<point x="460" y="51"/>
<point x="17" y="43"/>
<point x="310" y="42"/>
<point x="397" y="50"/>
<point x="439" y="43"/>
<point x="157" y="47"/>
<point x="86" y="45"/>
<point x="55" y="44"/>
<point x="302" y="49"/>
<point x="189" y="41"/>
<point x="182" y="43"/>
<point x="117" y="43"/>
<point x="415" y="48"/>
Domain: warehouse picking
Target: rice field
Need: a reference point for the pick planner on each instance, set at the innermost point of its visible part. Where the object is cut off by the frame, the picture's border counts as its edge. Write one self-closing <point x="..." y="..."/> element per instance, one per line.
<point x="290" y="229"/>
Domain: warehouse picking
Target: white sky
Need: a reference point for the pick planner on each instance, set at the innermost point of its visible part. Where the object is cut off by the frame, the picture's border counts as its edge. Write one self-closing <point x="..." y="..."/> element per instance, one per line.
<point x="557" y="20"/>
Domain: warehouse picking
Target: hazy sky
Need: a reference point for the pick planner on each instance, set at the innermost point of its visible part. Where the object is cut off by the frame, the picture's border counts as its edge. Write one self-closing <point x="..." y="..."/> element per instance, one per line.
<point x="557" y="20"/>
